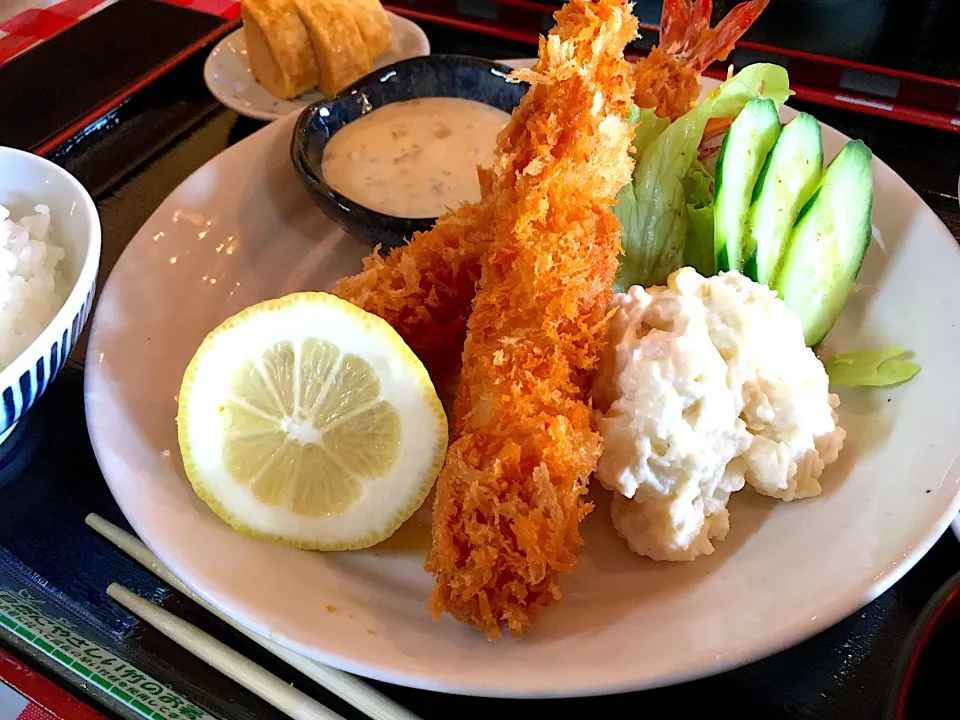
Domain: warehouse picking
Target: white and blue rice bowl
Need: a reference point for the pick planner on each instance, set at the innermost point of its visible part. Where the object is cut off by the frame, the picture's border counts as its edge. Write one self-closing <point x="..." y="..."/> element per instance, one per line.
<point x="27" y="180"/>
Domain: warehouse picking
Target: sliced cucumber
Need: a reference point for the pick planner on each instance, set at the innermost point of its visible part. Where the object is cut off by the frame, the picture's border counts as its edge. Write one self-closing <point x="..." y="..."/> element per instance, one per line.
<point x="826" y="248"/>
<point x="745" y="148"/>
<point x="786" y="182"/>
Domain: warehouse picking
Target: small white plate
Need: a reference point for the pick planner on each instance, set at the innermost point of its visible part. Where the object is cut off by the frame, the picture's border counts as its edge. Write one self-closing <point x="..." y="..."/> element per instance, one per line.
<point x="242" y="229"/>
<point x="228" y="75"/>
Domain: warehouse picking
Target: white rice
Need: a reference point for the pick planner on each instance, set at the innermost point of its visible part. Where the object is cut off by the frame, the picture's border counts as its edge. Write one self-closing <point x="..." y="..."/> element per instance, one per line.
<point x="32" y="288"/>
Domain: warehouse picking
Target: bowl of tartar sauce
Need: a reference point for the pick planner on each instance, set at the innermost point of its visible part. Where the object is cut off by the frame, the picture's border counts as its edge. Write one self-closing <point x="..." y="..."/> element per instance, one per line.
<point x="390" y="154"/>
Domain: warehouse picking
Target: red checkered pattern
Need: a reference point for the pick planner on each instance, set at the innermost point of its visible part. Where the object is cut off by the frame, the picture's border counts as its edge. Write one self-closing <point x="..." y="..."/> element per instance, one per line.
<point x="35" y="712"/>
<point x="42" y="19"/>
<point x="227" y="9"/>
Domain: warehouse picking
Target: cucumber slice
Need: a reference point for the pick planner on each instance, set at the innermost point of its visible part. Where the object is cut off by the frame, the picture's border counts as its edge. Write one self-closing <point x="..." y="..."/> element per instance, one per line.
<point x="786" y="182"/>
<point x="826" y="249"/>
<point x="745" y="148"/>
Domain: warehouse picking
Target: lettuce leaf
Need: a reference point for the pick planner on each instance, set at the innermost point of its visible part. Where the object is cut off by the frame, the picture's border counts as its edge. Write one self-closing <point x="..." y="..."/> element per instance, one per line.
<point x="761" y="80"/>
<point x="648" y="127"/>
<point x="870" y="368"/>
<point x="698" y="186"/>
<point x="698" y="251"/>
<point x="653" y="208"/>
<point x="698" y="248"/>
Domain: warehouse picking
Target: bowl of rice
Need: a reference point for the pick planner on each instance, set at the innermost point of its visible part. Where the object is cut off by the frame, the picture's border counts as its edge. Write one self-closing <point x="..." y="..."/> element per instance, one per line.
<point x="49" y="257"/>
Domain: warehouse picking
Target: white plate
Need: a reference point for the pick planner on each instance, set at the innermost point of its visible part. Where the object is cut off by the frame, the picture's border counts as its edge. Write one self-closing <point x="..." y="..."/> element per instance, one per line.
<point x="228" y="75"/>
<point x="241" y="229"/>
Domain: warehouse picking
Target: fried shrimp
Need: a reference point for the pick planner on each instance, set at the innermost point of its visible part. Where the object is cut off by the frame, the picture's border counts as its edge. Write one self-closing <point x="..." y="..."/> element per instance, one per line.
<point x="668" y="79"/>
<point x="511" y="495"/>
<point x="424" y="289"/>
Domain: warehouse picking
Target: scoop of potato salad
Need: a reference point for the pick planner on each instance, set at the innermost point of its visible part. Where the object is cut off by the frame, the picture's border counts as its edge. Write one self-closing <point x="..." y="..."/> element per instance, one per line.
<point x="705" y="385"/>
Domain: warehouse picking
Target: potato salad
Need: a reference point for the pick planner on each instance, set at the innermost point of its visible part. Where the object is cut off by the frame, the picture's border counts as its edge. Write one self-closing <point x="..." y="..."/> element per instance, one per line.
<point x="706" y="385"/>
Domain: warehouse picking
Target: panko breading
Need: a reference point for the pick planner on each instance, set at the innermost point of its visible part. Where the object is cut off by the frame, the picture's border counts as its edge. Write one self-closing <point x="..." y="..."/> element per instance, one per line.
<point x="432" y="320"/>
<point x="425" y="288"/>
<point x="665" y="84"/>
<point x="511" y="495"/>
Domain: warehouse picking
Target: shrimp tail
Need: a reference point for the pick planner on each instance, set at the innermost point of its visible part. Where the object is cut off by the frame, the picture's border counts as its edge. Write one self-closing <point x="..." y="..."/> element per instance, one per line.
<point x="668" y="79"/>
<point x="715" y="44"/>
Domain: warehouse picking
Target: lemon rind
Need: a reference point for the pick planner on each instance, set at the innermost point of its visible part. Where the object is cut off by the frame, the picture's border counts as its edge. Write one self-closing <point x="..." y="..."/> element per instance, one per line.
<point x="412" y="362"/>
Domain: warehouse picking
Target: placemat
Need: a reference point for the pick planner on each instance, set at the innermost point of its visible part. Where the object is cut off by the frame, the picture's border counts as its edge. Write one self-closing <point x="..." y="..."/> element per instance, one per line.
<point x="26" y="24"/>
<point x="92" y="66"/>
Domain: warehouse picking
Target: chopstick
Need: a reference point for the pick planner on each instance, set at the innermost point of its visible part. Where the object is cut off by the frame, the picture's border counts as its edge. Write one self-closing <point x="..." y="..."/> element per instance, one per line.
<point x="347" y="687"/>
<point x="235" y="666"/>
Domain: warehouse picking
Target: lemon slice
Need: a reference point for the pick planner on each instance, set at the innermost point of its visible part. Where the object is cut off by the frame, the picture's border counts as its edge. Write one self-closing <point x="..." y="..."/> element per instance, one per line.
<point x="309" y="422"/>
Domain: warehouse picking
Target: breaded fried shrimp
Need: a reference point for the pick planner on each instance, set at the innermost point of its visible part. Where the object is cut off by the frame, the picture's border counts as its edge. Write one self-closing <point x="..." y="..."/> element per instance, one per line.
<point x="511" y="495"/>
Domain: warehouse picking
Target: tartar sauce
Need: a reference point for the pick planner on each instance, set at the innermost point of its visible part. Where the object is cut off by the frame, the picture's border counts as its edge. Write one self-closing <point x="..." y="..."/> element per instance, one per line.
<point x="414" y="159"/>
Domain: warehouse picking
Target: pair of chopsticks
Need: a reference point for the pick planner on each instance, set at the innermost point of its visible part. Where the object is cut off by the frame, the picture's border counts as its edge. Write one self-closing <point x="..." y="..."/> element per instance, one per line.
<point x="235" y="666"/>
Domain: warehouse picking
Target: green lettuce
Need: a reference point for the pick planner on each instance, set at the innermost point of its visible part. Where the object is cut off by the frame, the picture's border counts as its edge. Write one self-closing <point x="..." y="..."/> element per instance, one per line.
<point x="648" y="127"/>
<point x="655" y="209"/>
<point x="698" y="197"/>
<point x="870" y="368"/>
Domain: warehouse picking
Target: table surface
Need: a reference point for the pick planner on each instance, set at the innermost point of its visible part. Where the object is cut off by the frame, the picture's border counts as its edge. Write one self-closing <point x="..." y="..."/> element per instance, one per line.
<point x="162" y="136"/>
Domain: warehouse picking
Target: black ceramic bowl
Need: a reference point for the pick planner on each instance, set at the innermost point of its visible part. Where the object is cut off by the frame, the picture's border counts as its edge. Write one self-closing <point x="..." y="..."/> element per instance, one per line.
<point x="923" y="685"/>
<point x="457" y="76"/>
